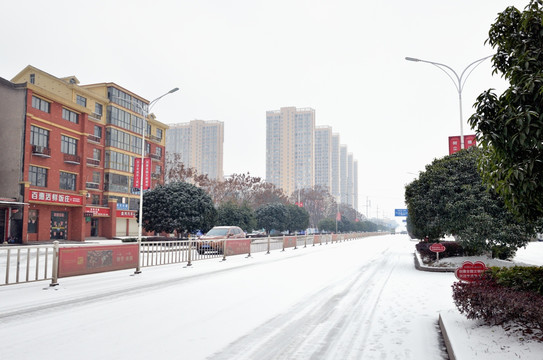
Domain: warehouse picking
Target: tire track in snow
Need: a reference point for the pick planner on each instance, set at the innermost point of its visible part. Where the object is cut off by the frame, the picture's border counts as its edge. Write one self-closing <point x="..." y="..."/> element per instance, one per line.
<point x="331" y="324"/>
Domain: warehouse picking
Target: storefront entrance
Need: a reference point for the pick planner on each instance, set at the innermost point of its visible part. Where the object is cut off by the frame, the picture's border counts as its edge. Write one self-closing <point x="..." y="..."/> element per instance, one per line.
<point x="2" y="225"/>
<point x="59" y="225"/>
<point x="94" y="227"/>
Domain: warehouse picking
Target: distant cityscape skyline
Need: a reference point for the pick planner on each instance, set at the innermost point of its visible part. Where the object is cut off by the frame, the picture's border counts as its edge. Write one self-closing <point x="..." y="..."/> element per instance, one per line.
<point x="300" y="155"/>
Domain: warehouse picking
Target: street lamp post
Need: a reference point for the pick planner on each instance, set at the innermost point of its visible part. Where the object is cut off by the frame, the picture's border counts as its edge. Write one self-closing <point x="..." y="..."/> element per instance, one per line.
<point x="459" y="82"/>
<point x="145" y="114"/>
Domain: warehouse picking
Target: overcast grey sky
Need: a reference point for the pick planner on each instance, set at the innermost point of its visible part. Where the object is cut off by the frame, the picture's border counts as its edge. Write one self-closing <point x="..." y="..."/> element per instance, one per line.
<point x="233" y="60"/>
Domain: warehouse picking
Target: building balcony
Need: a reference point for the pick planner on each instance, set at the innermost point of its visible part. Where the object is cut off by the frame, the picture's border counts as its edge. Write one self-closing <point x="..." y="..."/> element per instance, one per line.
<point x="93" y="162"/>
<point x="41" y="151"/>
<point x="155" y="156"/>
<point x="93" y="138"/>
<point x="92" y="185"/>
<point x="154" y="138"/>
<point x="72" y="159"/>
<point x="155" y="176"/>
<point x="96" y="117"/>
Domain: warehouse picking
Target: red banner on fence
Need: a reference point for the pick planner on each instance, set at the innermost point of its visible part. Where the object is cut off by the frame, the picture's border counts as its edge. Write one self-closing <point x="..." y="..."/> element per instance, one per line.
<point x="289" y="241"/>
<point x="237" y="247"/>
<point x="84" y="260"/>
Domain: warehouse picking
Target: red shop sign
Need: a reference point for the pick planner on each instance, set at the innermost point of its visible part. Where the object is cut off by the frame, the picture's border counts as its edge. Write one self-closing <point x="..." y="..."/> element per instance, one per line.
<point x="97" y="211"/>
<point x="126" y="214"/>
<point x="55" y="198"/>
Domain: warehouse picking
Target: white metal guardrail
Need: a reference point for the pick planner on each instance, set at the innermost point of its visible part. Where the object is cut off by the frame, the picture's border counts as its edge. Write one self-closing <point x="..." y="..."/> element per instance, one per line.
<point x="19" y="264"/>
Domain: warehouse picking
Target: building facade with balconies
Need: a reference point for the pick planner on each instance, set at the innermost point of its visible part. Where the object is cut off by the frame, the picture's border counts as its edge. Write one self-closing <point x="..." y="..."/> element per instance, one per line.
<point x="78" y="159"/>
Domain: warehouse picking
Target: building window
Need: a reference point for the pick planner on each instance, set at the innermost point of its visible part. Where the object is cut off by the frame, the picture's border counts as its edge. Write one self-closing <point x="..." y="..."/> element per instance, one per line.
<point x="98" y="131"/>
<point x="32" y="221"/>
<point x="148" y="129"/>
<point x="159" y="133"/>
<point x="118" y="161"/>
<point x="67" y="181"/>
<point x="147" y="148"/>
<point x="81" y="101"/>
<point x="68" y="145"/>
<point x="96" y="154"/>
<point x="117" y="183"/>
<point x="32" y="78"/>
<point x="95" y="199"/>
<point x="158" y="170"/>
<point x="96" y="176"/>
<point x="158" y="151"/>
<point x="70" y="116"/>
<point x="40" y="104"/>
<point x="39" y="136"/>
<point x="37" y="176"/>
<point x="98" y="108"/>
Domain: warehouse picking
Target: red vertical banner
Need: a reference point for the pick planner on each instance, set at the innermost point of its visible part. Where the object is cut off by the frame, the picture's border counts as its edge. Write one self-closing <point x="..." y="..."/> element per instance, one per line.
<point x="137" y="172"/>
<point x="146" y="173"/>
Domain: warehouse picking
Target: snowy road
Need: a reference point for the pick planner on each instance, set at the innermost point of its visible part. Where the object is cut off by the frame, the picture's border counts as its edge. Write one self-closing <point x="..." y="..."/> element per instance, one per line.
<point x="361" y="299"/>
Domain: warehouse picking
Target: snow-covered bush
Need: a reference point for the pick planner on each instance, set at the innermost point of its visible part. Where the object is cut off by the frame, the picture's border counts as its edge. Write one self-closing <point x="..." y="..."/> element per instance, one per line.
<point x="498" y="304"/>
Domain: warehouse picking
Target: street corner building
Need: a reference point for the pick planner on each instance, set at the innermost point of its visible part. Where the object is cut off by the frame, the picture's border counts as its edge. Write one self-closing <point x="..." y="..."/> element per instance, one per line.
<point x="67" y="154"/>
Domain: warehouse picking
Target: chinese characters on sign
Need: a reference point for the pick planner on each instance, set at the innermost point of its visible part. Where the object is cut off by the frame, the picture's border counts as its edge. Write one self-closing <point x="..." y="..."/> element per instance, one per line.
<point x="65" y="199"/>
<point x="470" y="271"/>
<point x="97" y="211"/>
<point x="87" y="260"/>
<point x="146" y="173"/>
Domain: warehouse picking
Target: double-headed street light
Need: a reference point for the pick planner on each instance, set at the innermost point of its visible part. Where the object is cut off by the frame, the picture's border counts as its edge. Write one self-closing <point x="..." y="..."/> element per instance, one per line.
<point x="459" y="82"/>
<point x="145" y="114"/>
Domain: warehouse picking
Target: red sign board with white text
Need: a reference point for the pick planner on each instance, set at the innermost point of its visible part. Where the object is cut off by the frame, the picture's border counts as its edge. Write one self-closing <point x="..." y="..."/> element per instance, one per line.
<point x="146" y="173"/>
<point x="437" y="247"/>
<point x="55" y="198"/>
<point x="97" y="211"/>
<point x="455" y="145"/>
<point x="470" y="271"/>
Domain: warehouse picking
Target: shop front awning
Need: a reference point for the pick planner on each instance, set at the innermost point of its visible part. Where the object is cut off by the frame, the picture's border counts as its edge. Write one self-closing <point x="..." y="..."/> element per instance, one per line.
<point x="16" y="203"/>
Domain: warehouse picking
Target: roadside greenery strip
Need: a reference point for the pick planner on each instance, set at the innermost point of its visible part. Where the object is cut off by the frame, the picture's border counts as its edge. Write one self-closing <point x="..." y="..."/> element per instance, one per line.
<point x="510" y="297"/>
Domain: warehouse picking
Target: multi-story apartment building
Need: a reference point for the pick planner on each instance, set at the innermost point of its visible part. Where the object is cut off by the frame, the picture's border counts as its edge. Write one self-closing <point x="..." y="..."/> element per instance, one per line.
<point x="335" y="167"/>
<point x="199" y="144"/>
<point x="12" y="115"/>
<point x="355" y="185"/>
<point x="78" y="150"/>
<point x="323" y="157"/>
<point x="350" y="180"/>
<point x="290" y="146"/>
<point x="343" y="174"/>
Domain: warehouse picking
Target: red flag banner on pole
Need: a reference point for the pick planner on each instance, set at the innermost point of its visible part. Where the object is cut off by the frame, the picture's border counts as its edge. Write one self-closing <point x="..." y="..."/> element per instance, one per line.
<point x="146" y="173"/>
<point x="338" y="216"/>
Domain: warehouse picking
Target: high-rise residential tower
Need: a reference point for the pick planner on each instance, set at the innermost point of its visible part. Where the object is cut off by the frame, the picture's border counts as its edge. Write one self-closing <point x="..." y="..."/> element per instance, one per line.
<point x="335" y="189"/>
<point x="200" y="146"/>
<point x="290" y="144"/>
<point x="323" y="157"/>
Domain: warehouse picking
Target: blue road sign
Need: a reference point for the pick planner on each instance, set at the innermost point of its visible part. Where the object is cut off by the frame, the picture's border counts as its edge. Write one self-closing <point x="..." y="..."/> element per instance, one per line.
<point x="400" y="212"/>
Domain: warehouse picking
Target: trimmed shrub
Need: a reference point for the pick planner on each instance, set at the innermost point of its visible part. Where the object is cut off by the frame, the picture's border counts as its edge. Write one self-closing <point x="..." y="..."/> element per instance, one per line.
<point x="496" y="304"/>
<point x="520" y="278"/>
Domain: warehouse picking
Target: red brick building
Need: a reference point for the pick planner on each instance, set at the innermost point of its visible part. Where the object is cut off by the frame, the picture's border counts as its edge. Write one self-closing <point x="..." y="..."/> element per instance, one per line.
<point x="79" y="145"/>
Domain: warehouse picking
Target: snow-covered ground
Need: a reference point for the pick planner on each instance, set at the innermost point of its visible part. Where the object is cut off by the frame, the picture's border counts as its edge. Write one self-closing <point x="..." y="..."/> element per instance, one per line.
<point x="361" y="299"/>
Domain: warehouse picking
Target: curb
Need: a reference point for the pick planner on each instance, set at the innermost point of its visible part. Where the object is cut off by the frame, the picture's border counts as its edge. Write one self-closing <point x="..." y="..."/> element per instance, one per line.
<point x="420" y="266"/>
<point x="448" y="344"/>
